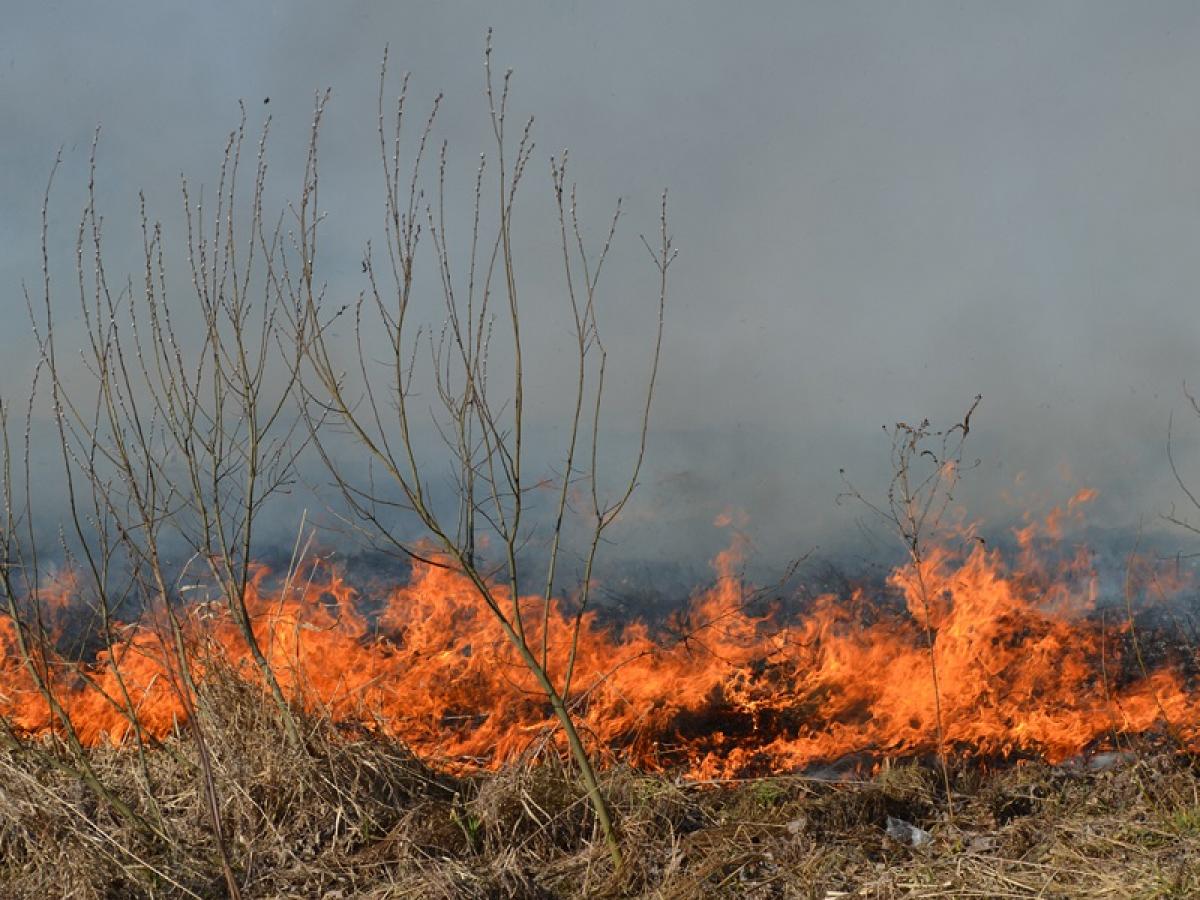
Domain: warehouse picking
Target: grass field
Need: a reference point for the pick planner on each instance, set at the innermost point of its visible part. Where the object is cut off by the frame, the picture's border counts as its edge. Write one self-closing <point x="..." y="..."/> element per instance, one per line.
<point x="357" y="816"/>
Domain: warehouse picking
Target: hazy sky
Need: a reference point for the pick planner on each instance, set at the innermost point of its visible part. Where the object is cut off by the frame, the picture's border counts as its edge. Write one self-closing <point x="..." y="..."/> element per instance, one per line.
<point x="882" y="209"/>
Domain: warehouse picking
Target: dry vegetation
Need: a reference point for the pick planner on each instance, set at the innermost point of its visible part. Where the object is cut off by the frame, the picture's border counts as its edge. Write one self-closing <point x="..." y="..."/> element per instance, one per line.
<point x="350" y="815"/>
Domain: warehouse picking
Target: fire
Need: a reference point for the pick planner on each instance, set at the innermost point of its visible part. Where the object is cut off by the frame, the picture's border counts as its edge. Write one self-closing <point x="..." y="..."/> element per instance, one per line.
<point x="1025" y="665"/>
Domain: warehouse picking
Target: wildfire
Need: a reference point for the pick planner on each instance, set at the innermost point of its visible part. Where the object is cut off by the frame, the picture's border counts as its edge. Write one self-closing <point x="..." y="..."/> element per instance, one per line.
<point x="1023" y="664"/>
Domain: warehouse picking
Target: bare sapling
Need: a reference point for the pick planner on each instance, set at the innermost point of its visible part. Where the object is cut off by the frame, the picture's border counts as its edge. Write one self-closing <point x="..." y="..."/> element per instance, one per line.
<point x="21" y="589"/>
<point x="188" y="434"/>
<point x="176" y="425"/>
<point x="480" y="413"/>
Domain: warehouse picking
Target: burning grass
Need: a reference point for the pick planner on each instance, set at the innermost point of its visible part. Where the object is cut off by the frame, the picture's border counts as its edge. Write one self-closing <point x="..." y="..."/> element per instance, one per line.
<point x="355" y="816"/>
<point x="736" y="684"/>
<point x="747" y="749"/>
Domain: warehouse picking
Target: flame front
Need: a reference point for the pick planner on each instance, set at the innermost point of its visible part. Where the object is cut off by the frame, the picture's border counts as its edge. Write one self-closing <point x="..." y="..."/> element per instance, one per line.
<point x="1022" y="663"/>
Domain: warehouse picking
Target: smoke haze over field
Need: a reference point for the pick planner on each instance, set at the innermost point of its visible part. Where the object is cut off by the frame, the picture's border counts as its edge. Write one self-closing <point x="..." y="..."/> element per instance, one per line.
<point x="882" y="210"/>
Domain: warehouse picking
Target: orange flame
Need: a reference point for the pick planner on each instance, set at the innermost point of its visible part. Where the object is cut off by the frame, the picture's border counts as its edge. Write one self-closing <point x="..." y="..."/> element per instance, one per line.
<point x="1023" y="663"/>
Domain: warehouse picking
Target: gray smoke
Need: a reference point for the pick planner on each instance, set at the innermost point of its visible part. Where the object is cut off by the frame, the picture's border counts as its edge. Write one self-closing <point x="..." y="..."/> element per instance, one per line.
<point x="882" y="211"/>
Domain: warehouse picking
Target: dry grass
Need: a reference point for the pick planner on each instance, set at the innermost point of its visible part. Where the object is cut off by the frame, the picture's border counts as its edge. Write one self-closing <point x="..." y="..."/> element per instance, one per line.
<point x="354" y="816"/>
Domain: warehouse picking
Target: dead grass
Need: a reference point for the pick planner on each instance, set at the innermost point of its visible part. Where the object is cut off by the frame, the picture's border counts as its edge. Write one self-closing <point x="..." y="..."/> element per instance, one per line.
<point x="358" y="816"/>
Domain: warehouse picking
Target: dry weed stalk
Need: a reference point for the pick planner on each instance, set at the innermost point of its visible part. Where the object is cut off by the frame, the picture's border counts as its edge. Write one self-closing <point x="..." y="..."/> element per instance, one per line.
<point x="926" y="467"/>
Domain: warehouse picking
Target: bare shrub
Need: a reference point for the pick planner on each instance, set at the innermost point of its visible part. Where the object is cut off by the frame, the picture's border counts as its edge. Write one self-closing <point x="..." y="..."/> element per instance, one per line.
<point x="483" y="426"/>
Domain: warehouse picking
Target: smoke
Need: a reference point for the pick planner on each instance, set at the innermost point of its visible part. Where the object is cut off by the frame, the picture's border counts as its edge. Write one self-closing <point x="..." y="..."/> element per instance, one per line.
<point x="882" y="211"/>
